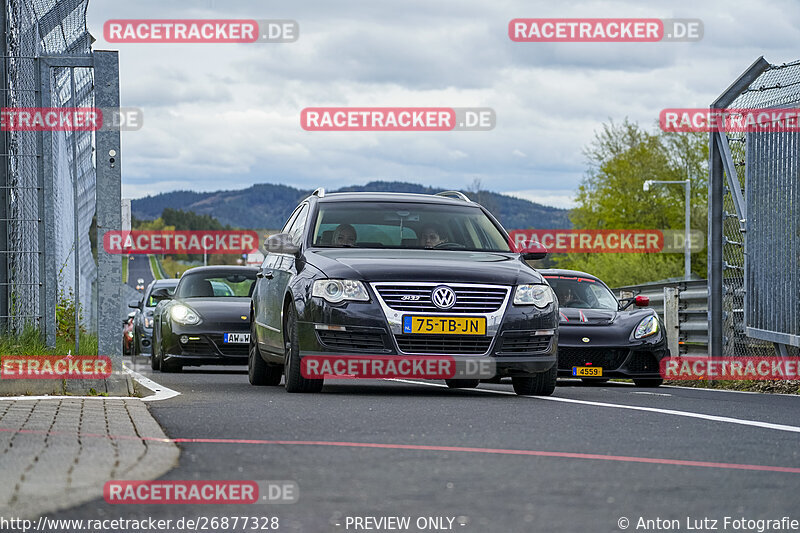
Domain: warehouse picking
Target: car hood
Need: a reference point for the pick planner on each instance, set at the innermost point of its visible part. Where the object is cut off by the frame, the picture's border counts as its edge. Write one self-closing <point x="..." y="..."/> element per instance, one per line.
<point x="220" y="309"/>
<point x="601" y="317"/>
<point x="423" y="265"/>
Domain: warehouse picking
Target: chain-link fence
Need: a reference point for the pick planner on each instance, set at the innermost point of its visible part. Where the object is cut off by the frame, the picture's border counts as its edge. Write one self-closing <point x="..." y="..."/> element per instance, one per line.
<point x="33" y="162"/>
<point x="754" y="239"/>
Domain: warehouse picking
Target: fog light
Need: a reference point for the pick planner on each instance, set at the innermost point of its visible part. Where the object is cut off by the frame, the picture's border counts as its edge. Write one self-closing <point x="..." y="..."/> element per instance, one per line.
<point x="184" y="339"/>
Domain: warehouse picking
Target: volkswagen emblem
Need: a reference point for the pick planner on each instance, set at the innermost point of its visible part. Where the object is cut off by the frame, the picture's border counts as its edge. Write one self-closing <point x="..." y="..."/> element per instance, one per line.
<point x="585" y="339"/>
<point x="443" y="297"/>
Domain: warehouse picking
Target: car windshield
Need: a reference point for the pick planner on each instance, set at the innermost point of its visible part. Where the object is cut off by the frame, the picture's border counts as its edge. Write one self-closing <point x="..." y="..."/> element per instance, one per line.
<point x="215" y="284"/>
<point x="582" y="293"/>
<point x="406" y="225"/>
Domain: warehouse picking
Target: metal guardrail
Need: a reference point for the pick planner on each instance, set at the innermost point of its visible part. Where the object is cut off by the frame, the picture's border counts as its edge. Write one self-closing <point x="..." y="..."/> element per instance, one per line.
<point x="683" y="306"/>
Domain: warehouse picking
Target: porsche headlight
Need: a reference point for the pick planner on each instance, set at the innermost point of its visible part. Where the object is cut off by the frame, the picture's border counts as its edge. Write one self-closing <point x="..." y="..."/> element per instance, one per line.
<point x="648" y="326"/>
<point x="184" y="315"/>
<point x="148" y="322"/>
<point x="537" y="294"/>
<point x="338" y="290"/>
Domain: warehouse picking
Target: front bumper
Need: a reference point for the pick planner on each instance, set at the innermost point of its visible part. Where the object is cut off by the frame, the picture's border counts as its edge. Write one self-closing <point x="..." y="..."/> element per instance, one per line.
<point x="206" y="347"/>
<point x="624" y="358"/>
<point x="523" y="343"/>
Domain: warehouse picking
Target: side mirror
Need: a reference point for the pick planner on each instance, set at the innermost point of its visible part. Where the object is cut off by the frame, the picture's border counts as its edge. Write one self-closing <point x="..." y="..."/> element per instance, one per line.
<point x="281" y="243"/>
<point x="641" y="301"/>
<point x="160" y="294"/>
<point x="135" y="304"/>
<point x="533" y="250"/>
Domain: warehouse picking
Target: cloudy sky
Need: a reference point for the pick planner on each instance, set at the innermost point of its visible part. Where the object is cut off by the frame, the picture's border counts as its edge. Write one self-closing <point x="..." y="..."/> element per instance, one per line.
<point x="225" y="116"/>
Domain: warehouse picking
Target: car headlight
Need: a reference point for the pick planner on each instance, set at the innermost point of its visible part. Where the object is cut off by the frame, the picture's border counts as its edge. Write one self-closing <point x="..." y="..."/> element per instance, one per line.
<point x="537" y="294"/>
<point x="338" y="290"/>
<point x="184" y="315"/>
<point x="148" y="322"/>
<point x="648" y="326"/>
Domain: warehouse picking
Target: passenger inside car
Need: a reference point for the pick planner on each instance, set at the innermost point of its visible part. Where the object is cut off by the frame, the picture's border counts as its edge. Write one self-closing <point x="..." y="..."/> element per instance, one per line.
<point x="344" y="235"/>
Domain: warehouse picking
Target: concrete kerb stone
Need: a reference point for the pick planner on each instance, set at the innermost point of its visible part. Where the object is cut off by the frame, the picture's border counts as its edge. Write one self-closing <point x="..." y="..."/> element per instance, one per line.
<point x="71" y="447"/>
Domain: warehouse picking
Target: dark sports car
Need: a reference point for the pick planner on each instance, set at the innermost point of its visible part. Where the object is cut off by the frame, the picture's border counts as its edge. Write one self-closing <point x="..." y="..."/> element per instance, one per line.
<point x="601" y="337"/>
<point x="206" y="322"/>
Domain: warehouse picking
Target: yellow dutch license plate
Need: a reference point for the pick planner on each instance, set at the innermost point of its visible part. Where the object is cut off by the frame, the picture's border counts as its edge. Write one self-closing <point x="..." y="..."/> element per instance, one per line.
<point x="587" y="371"/>
<point x="445" y="325"/>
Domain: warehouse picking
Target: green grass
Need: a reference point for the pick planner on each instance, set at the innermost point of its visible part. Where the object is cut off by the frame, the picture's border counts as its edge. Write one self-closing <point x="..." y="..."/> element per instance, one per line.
<point x="124" y="269"/>
<point x="171" y="267"/>
<point x="154" y="267"/>
<point x="29" y="342"/>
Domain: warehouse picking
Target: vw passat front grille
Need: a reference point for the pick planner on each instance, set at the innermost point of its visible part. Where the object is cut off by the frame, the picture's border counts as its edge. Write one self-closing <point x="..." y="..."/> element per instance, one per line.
<point x="416" y="297"/>
<point x="443" y="344"/>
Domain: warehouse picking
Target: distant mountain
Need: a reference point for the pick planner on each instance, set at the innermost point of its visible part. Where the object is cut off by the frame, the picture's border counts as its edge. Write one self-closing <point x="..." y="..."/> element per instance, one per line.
<point x="268" y="206"/>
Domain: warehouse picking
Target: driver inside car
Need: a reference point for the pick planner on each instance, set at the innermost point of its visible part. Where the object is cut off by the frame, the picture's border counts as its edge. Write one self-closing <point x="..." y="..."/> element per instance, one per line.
<point x="431" y="236"/>
<point x="567" y="297"/>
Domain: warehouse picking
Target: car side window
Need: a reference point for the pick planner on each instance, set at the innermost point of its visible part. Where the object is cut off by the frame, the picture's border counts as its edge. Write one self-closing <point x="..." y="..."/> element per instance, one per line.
<point x="299" y="224"/>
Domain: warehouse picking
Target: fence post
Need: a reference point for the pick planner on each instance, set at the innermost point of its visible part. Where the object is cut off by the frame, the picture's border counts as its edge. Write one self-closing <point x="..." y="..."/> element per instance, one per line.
<point x="109" y="217"/>
<point x="4" y="181"/>
<point x="47" y="223"/>
<point x="671" y="320"/>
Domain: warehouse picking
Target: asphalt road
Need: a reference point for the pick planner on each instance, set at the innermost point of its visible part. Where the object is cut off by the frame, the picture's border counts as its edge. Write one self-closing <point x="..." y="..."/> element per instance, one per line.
<point x="139" y="268"/>
<point x="611" y="429"/>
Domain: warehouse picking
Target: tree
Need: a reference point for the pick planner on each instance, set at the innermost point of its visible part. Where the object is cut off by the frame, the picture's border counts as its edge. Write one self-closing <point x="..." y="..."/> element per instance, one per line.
<point x="621" y="158"/>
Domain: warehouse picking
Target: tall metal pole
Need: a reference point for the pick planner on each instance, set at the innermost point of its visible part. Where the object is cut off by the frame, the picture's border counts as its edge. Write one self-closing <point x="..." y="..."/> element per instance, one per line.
<point x="4" y="181"/>
<point x="75" y="255"/>
<point x="687" y="252"/>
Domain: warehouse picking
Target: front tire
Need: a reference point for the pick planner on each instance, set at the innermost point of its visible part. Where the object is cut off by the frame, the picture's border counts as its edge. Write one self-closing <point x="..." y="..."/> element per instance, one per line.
<point x="155" y="356"/>
<point x="462" y="383"/>
<point x="295" y="382"/>
<point x="542" y="384"/>
<point x="648" y="382"/>
<point x="258" y="371"/>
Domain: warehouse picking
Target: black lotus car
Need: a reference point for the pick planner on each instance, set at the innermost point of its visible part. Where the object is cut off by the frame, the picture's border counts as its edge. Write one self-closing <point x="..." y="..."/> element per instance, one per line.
<point x="601" y="337"/>
<point x="362" y="273"/>
<point x="143" y="320"/>
<point x="206" y="322"/>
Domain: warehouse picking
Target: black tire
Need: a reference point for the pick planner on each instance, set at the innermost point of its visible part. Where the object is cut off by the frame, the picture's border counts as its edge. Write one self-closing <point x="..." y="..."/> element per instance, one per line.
<point x="648" y="382"/>
<point x="462" y="383"/>
<point x="294" y="381"/>
<point x="542" y="384"/>
<point x="594" y="381"/>
<point x="155" y="356"/>
<point x="171" y="367"/>
<point x="155" y="362"/>
<point x="258" y="371"/>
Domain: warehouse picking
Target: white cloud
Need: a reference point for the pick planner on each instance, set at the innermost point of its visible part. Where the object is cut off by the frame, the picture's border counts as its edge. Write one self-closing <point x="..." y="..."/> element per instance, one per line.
<point x="227" y="116"/>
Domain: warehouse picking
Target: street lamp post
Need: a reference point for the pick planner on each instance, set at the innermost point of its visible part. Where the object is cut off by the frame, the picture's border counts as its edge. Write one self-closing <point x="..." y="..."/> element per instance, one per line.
<point x="687" y="248"/>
